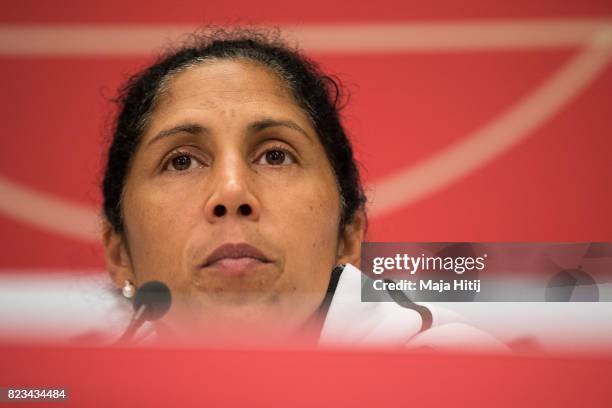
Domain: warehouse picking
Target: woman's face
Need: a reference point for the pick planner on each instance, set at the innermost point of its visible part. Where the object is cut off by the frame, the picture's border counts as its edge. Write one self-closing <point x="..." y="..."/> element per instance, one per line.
<point x="231" y="201"/>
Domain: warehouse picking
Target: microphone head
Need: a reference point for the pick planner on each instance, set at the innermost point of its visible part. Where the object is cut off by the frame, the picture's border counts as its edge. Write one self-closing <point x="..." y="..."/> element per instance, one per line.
<point x="156" y="298"/>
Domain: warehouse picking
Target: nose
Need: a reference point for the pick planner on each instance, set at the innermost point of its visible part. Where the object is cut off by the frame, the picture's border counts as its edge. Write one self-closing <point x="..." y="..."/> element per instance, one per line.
<point x="232" y="194"/>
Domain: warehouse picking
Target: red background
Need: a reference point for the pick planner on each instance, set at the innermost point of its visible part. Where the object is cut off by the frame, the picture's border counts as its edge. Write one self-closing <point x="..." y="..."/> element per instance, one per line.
<point x="154" y="377"/>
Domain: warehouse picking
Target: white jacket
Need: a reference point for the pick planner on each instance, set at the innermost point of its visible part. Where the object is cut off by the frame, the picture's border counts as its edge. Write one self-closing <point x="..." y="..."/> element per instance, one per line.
<point x="351" y="322"/>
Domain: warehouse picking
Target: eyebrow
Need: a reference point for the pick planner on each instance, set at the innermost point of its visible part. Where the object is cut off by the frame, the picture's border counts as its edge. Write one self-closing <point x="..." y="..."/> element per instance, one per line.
<point x="258" y="126"/>
<point x="192" y="128"/>
<point x="266" y="123"/>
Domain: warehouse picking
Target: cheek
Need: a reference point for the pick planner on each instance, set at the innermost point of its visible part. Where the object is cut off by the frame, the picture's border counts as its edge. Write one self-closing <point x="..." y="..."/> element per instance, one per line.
<point x="156" y="237"/>
<point x="308" y="210"/>
<point x="306" y="220"/>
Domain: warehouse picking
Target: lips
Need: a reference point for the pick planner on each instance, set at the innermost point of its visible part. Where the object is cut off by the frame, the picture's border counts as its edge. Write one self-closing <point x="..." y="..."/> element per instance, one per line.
<point x="235" y="259"/>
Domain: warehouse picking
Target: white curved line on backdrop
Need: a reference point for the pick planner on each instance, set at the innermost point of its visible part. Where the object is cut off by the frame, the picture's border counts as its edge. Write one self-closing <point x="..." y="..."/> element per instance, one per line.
<point x="467" y="35"/>
<point x="81" y="222"/>
<point x="48" y="212"/>
<point x="499" y="135"/>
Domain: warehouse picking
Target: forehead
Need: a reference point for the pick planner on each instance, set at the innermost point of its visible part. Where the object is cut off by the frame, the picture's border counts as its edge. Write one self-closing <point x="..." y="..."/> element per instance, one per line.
<point x="221" y="84"/>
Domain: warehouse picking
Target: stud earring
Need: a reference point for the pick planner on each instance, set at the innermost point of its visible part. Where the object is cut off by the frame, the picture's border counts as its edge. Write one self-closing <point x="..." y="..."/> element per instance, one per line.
<point x="128" y="289"/>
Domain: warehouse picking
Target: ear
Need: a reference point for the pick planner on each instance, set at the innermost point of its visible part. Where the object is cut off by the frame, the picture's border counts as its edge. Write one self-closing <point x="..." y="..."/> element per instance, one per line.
<point x="117" y="257"/>
<point x="349" y="248"/>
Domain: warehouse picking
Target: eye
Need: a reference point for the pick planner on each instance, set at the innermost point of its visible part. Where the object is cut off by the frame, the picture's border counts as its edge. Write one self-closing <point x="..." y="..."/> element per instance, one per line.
<point x="276" y="157"/>
<point x="181" y="162"/>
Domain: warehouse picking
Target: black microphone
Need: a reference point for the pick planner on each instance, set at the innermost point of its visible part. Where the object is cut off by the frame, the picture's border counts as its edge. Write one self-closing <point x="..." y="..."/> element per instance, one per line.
<point x="152" y="302"/>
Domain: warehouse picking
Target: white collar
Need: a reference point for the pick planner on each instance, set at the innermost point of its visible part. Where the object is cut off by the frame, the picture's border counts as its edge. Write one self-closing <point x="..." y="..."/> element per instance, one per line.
<point x="351" y="322"/>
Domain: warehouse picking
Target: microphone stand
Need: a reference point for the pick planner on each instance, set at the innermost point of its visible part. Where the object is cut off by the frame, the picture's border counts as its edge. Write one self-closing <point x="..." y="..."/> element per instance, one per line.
<point x="135" y="324"/>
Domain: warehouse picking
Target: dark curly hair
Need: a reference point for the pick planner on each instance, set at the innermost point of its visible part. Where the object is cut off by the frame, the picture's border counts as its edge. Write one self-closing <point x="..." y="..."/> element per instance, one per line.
<point x="319" y="95"/>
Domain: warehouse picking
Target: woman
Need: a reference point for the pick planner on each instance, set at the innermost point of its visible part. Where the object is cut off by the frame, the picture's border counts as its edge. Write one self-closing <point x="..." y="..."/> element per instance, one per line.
<point x="230" y="178"/>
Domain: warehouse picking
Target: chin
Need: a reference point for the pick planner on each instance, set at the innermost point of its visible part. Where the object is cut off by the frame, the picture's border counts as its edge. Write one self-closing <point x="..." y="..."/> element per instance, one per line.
<point x="229" y="324"/>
